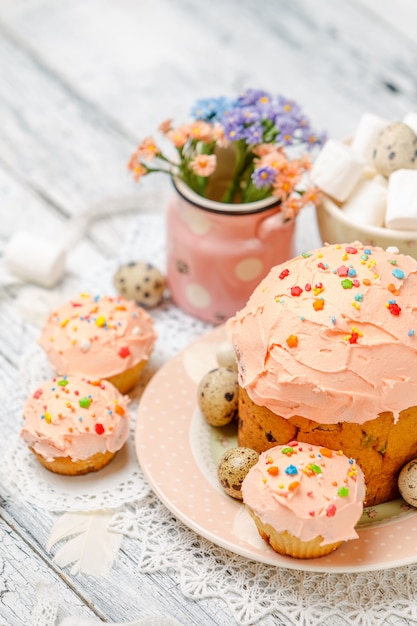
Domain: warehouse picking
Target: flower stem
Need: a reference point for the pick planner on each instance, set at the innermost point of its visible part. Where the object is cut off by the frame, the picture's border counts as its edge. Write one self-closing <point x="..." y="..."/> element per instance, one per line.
<point x="240" y="166"/>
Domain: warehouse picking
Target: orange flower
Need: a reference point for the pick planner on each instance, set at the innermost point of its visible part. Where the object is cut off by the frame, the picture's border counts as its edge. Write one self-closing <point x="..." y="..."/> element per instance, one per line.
<point x="293" y="172"/>
<point x="201" y="131"/>
<point x="133" y="161"/>
<point x="136" y="167"/>
<point x="305" y="162"/>
<point x="275" y="159"/>
<point x="313" y="195"/>
<point x="138" y="171"/>
<point x="204" y="164"/>
<point x="292" y="207"/>
<point x="265" y="148"/>
<point x="148" y="149"/>
<point x="179" y="136"/>
<point x="282" y="187"/>
<point x="219" y="136"/>
<point x="165" y="126"/>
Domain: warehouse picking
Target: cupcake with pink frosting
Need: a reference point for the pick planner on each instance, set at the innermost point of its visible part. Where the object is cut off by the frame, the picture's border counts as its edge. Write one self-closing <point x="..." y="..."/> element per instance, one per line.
<point x="99" y="337"/>
<point x="75" y="426"/>
<point x="305" y="499"/>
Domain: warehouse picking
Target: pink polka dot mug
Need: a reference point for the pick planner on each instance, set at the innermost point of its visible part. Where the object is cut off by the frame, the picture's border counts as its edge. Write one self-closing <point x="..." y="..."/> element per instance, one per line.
<point x="218" y="253"/>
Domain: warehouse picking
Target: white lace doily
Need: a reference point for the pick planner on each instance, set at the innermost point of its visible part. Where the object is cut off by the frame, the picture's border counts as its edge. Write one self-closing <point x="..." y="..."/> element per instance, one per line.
<point x="253" y="592"/>
<point x="118" y="483"/>
<point x="258" y="593"/>
<point x="122" y="480"/>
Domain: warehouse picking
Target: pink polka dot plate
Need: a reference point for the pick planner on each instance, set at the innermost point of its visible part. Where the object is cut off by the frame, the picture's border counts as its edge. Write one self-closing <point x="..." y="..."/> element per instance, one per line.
<point x="178" y="452"/>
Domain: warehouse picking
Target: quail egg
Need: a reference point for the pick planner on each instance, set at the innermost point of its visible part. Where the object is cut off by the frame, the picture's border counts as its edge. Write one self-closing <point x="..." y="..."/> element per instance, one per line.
<point x="407" y="482"/>
<point x="217" y="396"/>
<point x="141" y="282"/>
<point x="233" y="467"/>
<point x="396" y="149"/>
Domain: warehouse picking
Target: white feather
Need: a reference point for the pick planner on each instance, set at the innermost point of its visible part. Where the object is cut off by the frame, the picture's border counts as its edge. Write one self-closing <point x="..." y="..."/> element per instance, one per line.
<point x="90" y="547"/>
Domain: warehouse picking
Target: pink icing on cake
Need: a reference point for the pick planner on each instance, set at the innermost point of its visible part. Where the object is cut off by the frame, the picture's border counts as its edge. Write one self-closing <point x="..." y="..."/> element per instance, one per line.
<point x="330" y="335"/>
<point x="97" y="336"/>
<point x="72" y="417"/>
<point x="306" y="490"/>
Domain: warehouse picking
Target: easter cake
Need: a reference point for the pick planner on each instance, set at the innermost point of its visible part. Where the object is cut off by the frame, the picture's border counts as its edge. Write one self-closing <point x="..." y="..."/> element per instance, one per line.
<point x="100" y="337"/>
<point x="74" y="426"/>
<point x="305" y="500"/>
<point x="327" y="355"/>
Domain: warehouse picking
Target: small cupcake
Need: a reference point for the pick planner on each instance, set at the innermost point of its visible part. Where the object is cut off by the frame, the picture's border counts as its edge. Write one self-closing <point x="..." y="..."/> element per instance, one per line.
<point x="74" y="426"/>
<point x="305" y="499"/>
<point x="99" y="337"/>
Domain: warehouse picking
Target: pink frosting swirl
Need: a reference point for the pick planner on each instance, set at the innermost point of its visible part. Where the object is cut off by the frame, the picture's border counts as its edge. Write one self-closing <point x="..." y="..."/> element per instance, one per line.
<point x="306" y="490"/>
<point x="97" y="336"/>
<point x="331" y="335"/>
<point x="73" y="417"/>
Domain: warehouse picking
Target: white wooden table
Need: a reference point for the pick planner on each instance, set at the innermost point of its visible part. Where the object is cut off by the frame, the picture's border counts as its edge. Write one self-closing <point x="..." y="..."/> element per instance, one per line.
<point x="80" y="83"/>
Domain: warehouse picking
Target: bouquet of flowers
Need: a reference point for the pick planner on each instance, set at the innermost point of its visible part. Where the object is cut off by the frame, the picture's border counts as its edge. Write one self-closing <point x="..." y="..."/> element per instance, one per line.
<point x="268" y="137"/>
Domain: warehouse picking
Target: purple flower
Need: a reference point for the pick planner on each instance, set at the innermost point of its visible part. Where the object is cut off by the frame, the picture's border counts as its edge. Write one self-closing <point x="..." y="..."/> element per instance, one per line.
<point x="303" y="122"/>
<point x="311" y="139"/>
<point x="263" y="176"/>
<point x="251" y="114"/>
<point x="233" y="129"/>
<point x="253" y="96"/>
<point x="269" y="112"/>
<point x="286" y="124"/>
<point x="234" y="116"/>
<point x="289" y="107"/>
<point x="254" y="133"/>
<point x="287" y="134"/>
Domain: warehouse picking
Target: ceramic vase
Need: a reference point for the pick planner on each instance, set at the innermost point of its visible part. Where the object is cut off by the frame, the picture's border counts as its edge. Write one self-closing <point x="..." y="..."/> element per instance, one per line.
<point x="217" y="253"/>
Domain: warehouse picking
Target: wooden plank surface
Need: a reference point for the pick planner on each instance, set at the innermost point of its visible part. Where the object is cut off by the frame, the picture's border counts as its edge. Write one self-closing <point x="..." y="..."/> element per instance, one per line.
<point x="80" y="83"/>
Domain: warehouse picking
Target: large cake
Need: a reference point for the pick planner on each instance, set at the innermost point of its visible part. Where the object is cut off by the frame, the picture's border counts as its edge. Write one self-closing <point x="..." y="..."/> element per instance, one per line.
<point x="327" y="354"/>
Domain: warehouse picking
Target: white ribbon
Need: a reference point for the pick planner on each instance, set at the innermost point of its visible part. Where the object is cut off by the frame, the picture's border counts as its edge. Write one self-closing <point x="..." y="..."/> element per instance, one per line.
<point x="30" y="258"/>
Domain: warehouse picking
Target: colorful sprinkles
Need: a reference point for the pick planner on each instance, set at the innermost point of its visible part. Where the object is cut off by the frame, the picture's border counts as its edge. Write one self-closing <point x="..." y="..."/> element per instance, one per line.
<point x="393" y="307"/>
<point x="314" y="471"/>
<point x="66" y="402"/>
<point x="398" y="274"/>
<point x="87" y="324"/>
<point x="292" y="341"/>
<point x="357" y="270"/>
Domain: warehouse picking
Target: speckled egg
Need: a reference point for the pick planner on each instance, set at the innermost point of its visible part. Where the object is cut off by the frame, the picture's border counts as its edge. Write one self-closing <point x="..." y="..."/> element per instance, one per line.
<point x="233" y="467"/>
<point x="141" y="282"/>
<point x="225" y="356"/>
<point x="407" y="482"/>
<point x="217" y="396"/>
<point x="396" y="149"/>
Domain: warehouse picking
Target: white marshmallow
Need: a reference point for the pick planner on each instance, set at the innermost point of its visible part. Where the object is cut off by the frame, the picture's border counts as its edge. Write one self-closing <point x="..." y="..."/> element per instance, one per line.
<point x="337" y="169"/>
<point x="411" y="121"/>
<point x="366" y="134"/>
<point x="402" y="200"/>
<point x="367" y="204"/>
<point x="35" y="259"/>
